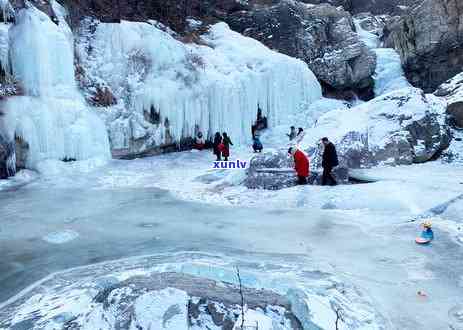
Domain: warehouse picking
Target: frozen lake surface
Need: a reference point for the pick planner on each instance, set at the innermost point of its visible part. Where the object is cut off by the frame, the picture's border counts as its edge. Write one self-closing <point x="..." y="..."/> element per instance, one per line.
<point x="360" y="235"/>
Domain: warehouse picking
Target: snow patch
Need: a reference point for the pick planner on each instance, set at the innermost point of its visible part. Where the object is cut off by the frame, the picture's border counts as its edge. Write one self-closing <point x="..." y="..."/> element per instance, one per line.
<point x="61" y="237"/>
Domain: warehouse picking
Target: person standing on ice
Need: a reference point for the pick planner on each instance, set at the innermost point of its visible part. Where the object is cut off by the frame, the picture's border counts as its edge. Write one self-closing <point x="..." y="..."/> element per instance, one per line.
<point x="300" y="135"/>
<point x="301" y="164"/>
<point x="226" y="146"/>
<point x="216" y="145"/>
<point x="256" y="144"/>
<point x="329" y="161"/>
<point x="292" y="133"/>
<point x="200" y="142"/>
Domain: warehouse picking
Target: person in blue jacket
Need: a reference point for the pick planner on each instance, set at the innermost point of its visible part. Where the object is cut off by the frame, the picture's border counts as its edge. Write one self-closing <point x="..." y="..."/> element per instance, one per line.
<point x="256" y="144"/>
<point x="427" y="232"/>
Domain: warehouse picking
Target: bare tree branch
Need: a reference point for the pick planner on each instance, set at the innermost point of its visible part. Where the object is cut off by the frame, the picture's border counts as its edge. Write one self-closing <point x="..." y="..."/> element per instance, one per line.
<point x="242" y="296"/>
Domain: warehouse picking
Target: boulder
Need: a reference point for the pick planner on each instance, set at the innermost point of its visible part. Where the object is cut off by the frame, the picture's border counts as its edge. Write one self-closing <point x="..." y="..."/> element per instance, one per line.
<point x="402" y="127"/>
<point x="271" y="170"/>
<point x="274" y="171"/>
<point x="321" y="35"/>
<point x="452" y="92"/>
<point x="429" y="39"/>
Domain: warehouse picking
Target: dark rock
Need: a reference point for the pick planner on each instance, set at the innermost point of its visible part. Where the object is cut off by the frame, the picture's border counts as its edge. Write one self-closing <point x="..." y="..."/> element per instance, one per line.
<point x="7" y="158"/>
<point x="377" y="7"/>
<point x="429" y="39"/>
<point x="172" y="13"/>
<point x="452" y="92"/>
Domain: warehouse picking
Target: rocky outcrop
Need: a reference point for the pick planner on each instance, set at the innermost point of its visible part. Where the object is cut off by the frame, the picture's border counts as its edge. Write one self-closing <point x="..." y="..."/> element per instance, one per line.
<point x="323" y="36"/>
<point x="429" y="39"/>
<point x="180" y="301"/>
<point x="399" y="128"/>
<point x="274" y="171"/>
<point x="372" y="23"/>
<point x="452" y="91"/>
<point x="376" y="7"/>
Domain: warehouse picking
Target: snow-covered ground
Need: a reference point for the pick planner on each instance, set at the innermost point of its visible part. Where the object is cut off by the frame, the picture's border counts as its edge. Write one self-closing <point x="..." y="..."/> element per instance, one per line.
<point x="176" y="202"/>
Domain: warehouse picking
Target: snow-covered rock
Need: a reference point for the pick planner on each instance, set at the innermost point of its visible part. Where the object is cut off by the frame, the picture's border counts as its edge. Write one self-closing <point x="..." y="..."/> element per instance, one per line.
<point x="171" y="301"/>
<point x="168" y="90"/>
<point x="452" y="91"/>
<point x="402" y="127"/>
<point x="271" y="170"/>
<point x="274" y="170"/>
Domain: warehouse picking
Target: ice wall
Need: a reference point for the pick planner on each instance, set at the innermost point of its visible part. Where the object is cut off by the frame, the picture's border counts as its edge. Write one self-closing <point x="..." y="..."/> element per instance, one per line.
<point x="389" y="75"/>
<point x="214" y="87"/>
<point x="57" y="128"/>
<point x="42" y="55"/>
<point x="4" y="47"/>
<point x="52" y="118"/>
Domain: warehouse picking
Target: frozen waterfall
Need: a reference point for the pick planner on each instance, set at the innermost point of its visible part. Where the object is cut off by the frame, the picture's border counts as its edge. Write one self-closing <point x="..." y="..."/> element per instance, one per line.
<point x="389" y="75"/>
<point x="52" y="118"/>
<point x="216" y="86"/>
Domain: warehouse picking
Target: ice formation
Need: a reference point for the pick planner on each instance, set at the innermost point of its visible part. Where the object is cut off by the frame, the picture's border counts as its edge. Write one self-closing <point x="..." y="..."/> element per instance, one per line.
<point x="389" y="75"/>
<point x="213" y="87"/>
<point x="52" y="118"/>
<point x="4" y="47"/>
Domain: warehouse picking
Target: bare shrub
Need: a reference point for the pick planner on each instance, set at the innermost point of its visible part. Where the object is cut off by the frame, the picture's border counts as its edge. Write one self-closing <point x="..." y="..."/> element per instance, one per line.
<point x="102" y="97"/>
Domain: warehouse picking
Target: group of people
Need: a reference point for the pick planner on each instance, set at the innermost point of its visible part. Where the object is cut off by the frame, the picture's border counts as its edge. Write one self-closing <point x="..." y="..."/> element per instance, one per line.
<point x="329" y="161"/>
<point x="221" y="146"/>
<point x="222" y="142"/>
<point x="296" y="136"/>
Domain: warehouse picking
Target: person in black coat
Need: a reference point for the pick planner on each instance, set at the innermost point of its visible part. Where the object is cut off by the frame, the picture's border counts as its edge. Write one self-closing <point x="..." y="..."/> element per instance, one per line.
<point x="216" y="146"/>
<point x="226" y="146"/>
<point x="330" y="161"/>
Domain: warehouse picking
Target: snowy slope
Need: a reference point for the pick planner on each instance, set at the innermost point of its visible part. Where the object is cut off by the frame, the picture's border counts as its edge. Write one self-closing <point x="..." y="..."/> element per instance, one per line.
<point x="217" y="86"/>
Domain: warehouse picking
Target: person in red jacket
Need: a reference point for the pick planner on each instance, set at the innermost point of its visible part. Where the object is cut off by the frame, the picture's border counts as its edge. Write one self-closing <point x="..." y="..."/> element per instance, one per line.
<point x="301" y="164"/>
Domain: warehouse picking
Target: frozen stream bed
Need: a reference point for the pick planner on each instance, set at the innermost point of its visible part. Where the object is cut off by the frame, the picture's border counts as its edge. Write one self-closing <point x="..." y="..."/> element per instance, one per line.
<point x="348" y="246"/>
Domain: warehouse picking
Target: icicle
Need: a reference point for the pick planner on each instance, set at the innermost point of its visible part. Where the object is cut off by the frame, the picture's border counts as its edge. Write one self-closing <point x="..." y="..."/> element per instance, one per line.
<point x="7" y="10"/>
